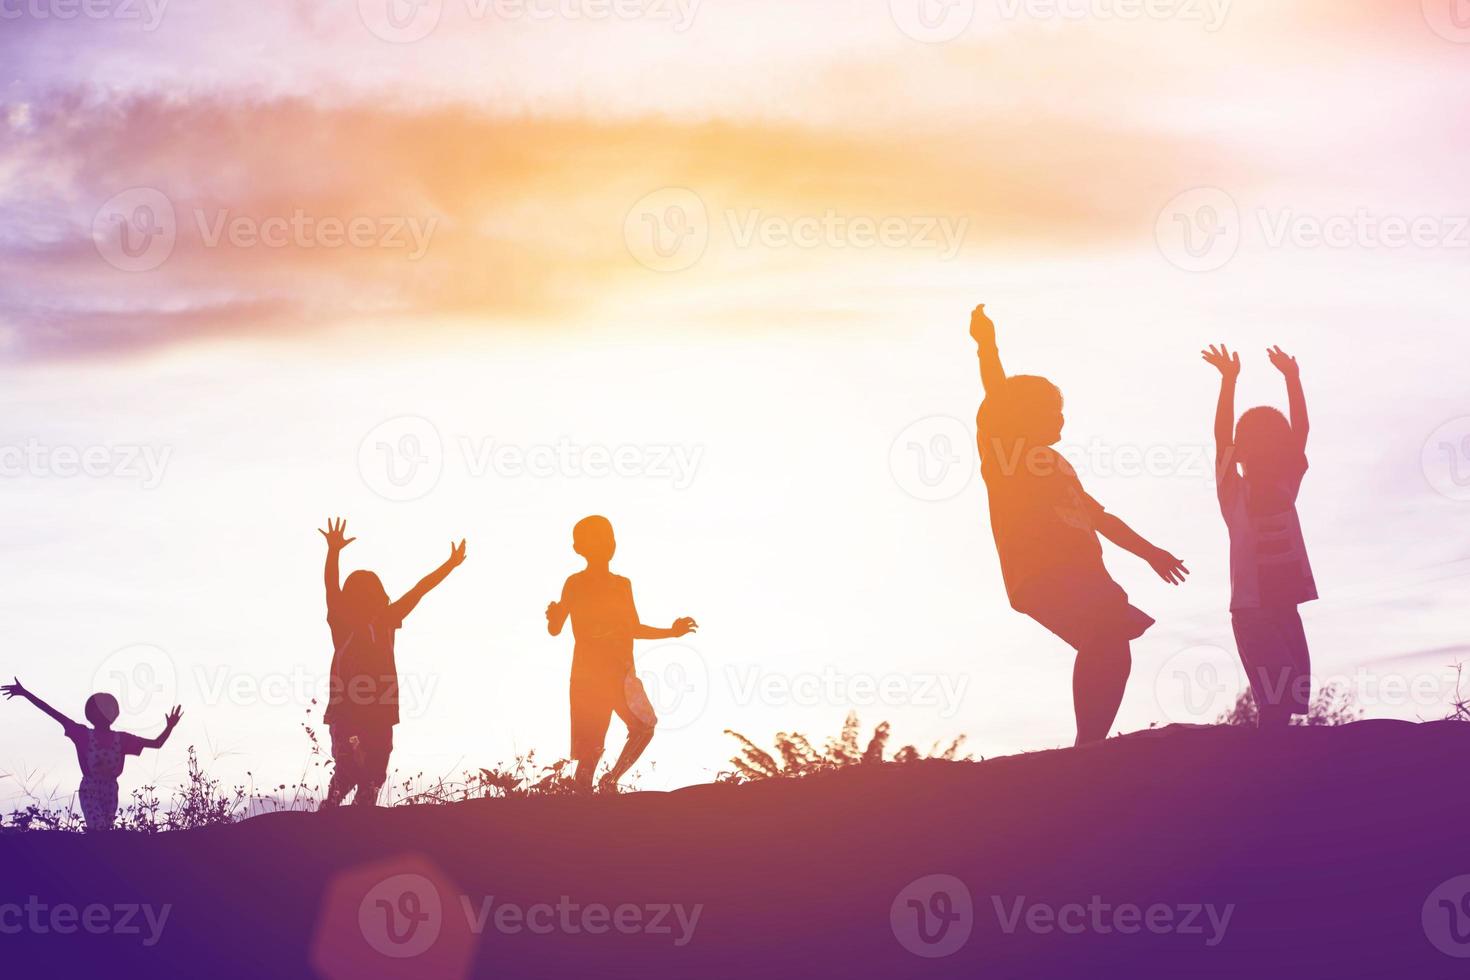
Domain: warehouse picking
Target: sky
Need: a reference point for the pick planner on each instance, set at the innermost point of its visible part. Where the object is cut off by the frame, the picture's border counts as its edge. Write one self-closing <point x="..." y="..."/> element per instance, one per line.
<point x="477" y="269"/>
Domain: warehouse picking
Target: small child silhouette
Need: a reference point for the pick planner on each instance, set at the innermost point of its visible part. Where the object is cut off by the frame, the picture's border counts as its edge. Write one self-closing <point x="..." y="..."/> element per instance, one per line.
<point x="604" y="625"/>
<point x="1259" y="465"/>
<point x="1046" y="531"/>
<point x="100" y="750"/>
<point x="362" y="700"/>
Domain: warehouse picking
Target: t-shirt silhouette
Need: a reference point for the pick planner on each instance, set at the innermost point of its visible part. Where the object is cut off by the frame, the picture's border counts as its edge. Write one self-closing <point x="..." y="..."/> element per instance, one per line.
<point x="603" y="618"/>
<point x="363" y="688"/>
<point x="101" y="753"/>
<point x="1043" y="521"/>
<point x="1268" y="555"/>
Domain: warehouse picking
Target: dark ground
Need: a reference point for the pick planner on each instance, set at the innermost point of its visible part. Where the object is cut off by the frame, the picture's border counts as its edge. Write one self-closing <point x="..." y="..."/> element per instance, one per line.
<point x="1324" y="847"/>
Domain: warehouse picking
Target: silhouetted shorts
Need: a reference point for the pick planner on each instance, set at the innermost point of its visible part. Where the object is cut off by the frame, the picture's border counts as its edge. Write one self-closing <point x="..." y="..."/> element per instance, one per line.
<point x="1083" y="607"/>
<point x="99" y="802"/>
<point x="1273" y="648"/>
<point x="596" y="699"/>
<point x="366" y="763"/>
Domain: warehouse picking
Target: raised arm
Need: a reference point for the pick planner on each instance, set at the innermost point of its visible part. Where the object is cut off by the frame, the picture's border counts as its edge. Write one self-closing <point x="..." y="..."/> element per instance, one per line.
<point x="429" y="582"/>
<point x="337" y="539"/>
<point x="982" y="330"/>
<point x="1295" y="397"/>
<point x="1228" y="365"/>
<point x="17" y="690"/>
<point x="170" y="722"/>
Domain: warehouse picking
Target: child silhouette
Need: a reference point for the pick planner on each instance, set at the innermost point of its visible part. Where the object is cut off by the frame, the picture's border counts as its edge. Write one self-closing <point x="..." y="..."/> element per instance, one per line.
<point x="1046" y="531"/>
<point x="101" y="750"/>
<point x="362" y="701"/>
<point x="605" y="624"/>
<point x="1259" y="465"/>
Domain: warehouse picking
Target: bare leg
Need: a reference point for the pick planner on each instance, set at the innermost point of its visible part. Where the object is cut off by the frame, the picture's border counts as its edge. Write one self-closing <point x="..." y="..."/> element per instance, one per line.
<point x="1098" y="679"/>
<point x="638" y="740"/>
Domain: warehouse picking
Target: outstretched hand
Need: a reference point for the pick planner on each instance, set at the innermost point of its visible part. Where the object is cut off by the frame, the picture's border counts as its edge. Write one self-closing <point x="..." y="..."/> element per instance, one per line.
<point x="684" y="626"/>
<point x="1169" y="568"/>
<point x="456" y="554"/>
<point x="336" y="534"/>
<point x="172" y="718"/>
<point x="982" y="329"/>
<point x="15" y="690"/>
<point x="1221" y="359"/>
<point x="1283" y="362"/>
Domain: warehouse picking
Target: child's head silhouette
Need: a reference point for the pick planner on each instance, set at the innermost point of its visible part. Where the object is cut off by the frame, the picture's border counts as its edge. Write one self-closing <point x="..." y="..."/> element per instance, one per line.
<point x="102" y="710"/>
<point x="593" y="539"/>
<point x="1027" y="408"/>
<point x="1264" y="442"/>
<point x="363" y="596"/>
